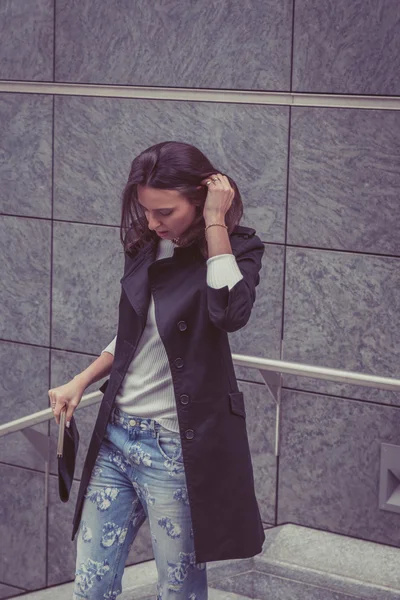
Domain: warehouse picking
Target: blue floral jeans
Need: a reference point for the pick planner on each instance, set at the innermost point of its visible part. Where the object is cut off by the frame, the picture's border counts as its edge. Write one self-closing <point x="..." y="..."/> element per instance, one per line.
<point x="138" y="474"/>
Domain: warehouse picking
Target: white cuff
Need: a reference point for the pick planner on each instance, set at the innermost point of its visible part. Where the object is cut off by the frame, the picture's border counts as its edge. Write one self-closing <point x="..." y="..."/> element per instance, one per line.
<point x="223" y="270"/>
<point x="111" y="347"/>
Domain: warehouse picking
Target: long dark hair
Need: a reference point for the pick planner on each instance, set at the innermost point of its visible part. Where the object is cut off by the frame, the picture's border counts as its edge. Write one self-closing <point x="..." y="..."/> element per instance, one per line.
<point x="171" y="166"/>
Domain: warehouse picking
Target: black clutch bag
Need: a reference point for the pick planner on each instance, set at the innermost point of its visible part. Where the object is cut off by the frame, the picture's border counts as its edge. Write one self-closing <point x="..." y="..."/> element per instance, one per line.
<point x="67" y="449"/>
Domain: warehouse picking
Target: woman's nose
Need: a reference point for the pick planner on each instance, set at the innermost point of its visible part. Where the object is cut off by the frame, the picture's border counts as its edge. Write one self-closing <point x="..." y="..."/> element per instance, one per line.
<point x="153" y="223"/>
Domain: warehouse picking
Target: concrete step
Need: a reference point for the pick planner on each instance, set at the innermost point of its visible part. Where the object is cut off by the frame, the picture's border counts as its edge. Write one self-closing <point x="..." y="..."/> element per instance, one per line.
<point x="297" y="563"/>
<point x="212" y="595"/>
<point x="221" y="595"/>
<point x="139" y="583"/>
<point x="66" y="593"/>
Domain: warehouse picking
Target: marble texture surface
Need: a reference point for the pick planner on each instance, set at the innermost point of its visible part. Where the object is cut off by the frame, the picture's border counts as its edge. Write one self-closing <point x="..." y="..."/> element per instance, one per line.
<point x="26" y="147"/>
<point x="26" y="33"/>
<point x="329" y="465"/>
<point x="22" y="527"/>
<point x="344" y="179"/>
<point x="88" y="263"/>
<point x="7" y="591"/>
<point x="342" y="310"/>
<point x="61" y="554"/>
<point x="260" y="424"/>
<point x="165" y="43"/>
<point x="23" y="391"/>
<point x="265" y="586"/>
<point x="320" y="557"/>
<point x="96" y="140"/>
<point x="346" y="47"/>
<point x="261" y="336"/>
<point x="25" y="290"/>
<point x="338" y="564"/>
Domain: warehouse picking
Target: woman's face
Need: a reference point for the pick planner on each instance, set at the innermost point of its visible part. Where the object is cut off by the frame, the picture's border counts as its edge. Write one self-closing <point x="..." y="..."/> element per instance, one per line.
<point x="166" y="211"/>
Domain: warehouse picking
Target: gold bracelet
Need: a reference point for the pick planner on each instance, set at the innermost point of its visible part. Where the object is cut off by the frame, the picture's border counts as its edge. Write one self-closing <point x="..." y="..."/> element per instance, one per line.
<point x="211" y="224"/>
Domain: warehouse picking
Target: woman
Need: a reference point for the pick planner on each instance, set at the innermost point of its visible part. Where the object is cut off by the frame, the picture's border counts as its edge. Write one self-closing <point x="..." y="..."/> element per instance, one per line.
<point x="170" y="441"/>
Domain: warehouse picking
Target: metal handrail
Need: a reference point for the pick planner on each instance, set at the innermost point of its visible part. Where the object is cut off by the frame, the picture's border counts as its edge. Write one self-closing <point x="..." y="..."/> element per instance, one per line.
<point x="252" y="362"/>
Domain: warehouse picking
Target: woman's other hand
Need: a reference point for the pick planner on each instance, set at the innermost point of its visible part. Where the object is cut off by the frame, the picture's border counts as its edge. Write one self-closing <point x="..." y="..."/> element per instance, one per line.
<point x="65" y="398"/>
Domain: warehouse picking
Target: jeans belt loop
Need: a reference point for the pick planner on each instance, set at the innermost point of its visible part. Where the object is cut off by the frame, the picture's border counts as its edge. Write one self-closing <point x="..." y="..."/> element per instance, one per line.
<point x="156" y="428"/>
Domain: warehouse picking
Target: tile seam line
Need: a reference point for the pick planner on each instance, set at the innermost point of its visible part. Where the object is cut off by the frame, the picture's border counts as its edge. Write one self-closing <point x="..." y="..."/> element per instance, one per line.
<point x="17" y="587"/>
<point x="296" y="99"/>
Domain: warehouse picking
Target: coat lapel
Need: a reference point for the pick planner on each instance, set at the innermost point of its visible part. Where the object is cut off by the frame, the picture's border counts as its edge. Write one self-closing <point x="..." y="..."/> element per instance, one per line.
<point x="135" y="281"/>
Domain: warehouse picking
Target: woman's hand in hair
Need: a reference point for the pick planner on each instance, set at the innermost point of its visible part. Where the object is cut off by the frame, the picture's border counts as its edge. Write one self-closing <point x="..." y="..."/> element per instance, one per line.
<point x="219" y="197"/>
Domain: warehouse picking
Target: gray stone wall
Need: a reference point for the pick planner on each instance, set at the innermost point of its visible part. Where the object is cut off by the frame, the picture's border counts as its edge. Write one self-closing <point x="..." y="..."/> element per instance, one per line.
<point x="320" y="185"/>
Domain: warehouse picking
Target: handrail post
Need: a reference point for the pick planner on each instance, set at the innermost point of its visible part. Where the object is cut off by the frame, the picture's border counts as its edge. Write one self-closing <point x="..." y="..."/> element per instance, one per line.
<point x="273" y="381"/>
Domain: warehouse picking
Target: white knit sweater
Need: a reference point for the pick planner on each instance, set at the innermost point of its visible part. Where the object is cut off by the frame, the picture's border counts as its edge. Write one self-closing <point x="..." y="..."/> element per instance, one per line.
<point x="147" y="390"/>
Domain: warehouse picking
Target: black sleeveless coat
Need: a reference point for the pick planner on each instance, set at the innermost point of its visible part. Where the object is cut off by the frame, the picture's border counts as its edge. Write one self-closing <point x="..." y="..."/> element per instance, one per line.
<point x="193" y="320"/>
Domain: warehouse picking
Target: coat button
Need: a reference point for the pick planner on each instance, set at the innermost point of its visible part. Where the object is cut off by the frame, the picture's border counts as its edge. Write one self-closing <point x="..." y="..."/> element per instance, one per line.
<point x="189" y="434"/>
<point x="182" y="325"/>
<point x="184" y="398"/>
<point x="179" y="363"/>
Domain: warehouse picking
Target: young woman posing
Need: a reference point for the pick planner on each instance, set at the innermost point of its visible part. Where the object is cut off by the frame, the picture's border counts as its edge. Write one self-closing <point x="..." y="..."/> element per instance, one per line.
<point x="170" y="441"/>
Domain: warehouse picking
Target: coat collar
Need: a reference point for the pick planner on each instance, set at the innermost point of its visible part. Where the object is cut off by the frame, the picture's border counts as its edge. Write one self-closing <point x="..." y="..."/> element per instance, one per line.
<point x="148" y="253"/>
<point x="135" y="279"/>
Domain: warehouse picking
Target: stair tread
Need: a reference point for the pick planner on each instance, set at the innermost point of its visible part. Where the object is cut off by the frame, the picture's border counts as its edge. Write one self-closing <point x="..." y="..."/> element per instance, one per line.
<point x="64" y="592"/>
<point x="214" y="594"/>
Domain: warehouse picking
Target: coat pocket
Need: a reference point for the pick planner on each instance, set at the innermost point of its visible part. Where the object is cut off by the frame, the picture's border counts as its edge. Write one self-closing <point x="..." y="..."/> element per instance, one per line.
<point x="237" y="403"/>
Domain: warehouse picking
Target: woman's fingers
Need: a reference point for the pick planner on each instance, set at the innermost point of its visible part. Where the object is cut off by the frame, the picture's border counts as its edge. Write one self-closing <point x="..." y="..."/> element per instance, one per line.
<point x="57" y="405"/>
<point x="65" y="398"/>
<point x="70" y="411"/>
<point x="57" y="410"/>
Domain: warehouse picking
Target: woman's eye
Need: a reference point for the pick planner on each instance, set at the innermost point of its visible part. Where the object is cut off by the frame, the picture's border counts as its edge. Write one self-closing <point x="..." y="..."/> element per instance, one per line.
<point x="163" y="214"/>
